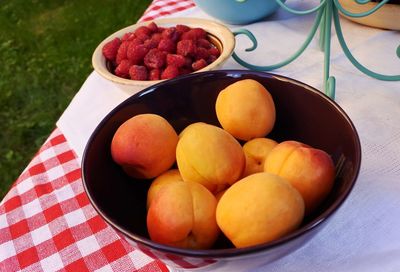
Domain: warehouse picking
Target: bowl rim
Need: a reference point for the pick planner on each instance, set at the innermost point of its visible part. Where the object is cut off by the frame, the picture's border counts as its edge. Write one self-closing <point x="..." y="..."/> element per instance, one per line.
<point x="385" y="17"/>
<point x="230" y="14"/>
<point x="220" y="31"/>
<point x="227" y="253"/>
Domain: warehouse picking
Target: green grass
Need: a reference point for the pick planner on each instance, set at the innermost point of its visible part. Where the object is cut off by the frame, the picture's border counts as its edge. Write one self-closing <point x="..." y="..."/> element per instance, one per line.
<point x="45" y="56"/>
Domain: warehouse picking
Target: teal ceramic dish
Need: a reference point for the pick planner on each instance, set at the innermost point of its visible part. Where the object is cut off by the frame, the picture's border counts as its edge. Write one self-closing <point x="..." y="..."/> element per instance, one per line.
<point x="238" y="12"/>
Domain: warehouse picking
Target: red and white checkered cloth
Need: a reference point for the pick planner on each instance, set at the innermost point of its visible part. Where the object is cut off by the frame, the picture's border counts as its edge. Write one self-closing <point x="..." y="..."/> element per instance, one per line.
<point x="165" y="7"/>
<point x="46" y="220"/>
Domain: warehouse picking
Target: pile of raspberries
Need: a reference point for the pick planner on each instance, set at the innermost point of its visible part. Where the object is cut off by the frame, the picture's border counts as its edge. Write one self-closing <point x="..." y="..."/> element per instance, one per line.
<point x="152" y="52"/>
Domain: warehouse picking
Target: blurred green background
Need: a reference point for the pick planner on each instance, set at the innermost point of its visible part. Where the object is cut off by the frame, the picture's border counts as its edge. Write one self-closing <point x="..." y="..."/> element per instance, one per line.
<point x="45" y="56"/>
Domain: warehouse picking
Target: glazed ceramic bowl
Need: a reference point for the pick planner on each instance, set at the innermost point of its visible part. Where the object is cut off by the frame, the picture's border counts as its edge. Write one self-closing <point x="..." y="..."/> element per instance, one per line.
<point x="238" y="12"/>
<point x="218" y="34"/>
<point x="303" y="114"/>
<point x="386" y="17"/>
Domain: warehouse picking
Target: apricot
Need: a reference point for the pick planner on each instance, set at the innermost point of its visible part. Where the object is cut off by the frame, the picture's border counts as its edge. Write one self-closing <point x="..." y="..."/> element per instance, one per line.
<point x="311" y="171"/>
<point x="220" y="194"/>
<point x="182" y="214"/>
<point x="209" y="155"/>
<point x="144" y="146"/>
<point x="165" y="178"/>
<point x="259" y="208"/>
<point x="256" y="152"/>
<point x="246" y="109"/>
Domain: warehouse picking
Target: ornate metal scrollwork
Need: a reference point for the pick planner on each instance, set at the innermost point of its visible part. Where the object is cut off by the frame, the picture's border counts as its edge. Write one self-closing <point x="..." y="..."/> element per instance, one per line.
<point x="327" y="11"/>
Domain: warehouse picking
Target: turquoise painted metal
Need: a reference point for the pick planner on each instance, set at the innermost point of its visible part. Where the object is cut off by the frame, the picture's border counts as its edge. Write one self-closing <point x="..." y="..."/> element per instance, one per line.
<point x="327" y="11"/>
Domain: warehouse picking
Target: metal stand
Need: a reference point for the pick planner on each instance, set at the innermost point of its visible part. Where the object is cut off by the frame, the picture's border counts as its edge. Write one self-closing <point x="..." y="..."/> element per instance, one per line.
<point x="326" y="11"/>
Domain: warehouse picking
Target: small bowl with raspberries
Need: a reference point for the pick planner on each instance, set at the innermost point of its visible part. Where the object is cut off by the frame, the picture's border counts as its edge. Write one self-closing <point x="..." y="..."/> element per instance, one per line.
<point x="147" y="53"/>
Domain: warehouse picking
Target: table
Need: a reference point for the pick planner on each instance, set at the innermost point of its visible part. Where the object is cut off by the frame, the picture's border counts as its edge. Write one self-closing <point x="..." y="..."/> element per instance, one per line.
<point x="48" y="224"/>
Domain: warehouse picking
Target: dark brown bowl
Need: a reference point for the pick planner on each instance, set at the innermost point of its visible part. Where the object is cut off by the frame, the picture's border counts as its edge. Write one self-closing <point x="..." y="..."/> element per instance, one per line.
<point x="303" y="114"/>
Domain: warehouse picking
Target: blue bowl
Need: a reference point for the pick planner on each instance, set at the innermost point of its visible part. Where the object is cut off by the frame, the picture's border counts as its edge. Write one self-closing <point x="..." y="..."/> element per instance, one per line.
<point x="238" y="12"/>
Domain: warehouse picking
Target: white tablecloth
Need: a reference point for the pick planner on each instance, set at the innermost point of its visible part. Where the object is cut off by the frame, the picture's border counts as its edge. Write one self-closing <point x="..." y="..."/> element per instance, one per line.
<point x="364" y="235"/>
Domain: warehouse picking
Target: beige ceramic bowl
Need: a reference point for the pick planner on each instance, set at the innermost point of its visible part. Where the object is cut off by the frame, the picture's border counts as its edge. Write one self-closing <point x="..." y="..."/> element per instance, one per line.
<point x="386" y="17"/>
<point x="218" y="34"/>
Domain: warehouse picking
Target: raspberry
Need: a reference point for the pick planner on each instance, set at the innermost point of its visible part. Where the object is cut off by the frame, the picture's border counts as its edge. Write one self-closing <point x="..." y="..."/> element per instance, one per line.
<point x="186" y="48"/>
<point x="155" y="58"/>
<point x="199" y="33"/>
<point x="185" y="71"/>
<point x="157" y="37"/>
<point x="214" y="51"/>
<point x="142" y="30"/>
<point x="142" y="37"/>
<point x="211" y="59"/>
<point x="188" y="62"/>
<point x="153" y="41"/>
<point x="176" y="60"/>
<point x="153" y="27"/>
<point x="138" y="72"/>
<point x="170" y="34"/>
<point x="142" y="33"/>
<point x="161" y="29"/>
<point x="128" y="36"/>
<point x="202" y="53"/>
<point x="121" y="54"/>
<point x="110" y="49"/>
<point x="122" y="69"/>
<point x="199" y="64"/>
<point x="187" y="36"/>
<point x="152" y="52"/>
<point x="135" y="41"/>
<point x="136" y="53"/>
<point x="155" y="74"/>
<point x="150" y="43"/>
<point x="167" y="45"/>
<point x="170" y="72"/>
<point x="204" y="43"/>
<point x="194" y="34"/>
<point x="182" y="28"/>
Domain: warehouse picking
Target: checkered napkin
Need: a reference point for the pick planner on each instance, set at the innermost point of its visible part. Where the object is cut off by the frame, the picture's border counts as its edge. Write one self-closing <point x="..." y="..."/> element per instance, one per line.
<point x="46" y="220"/>
<point x="47" y="223"/>
<point x="165" y="7"/>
